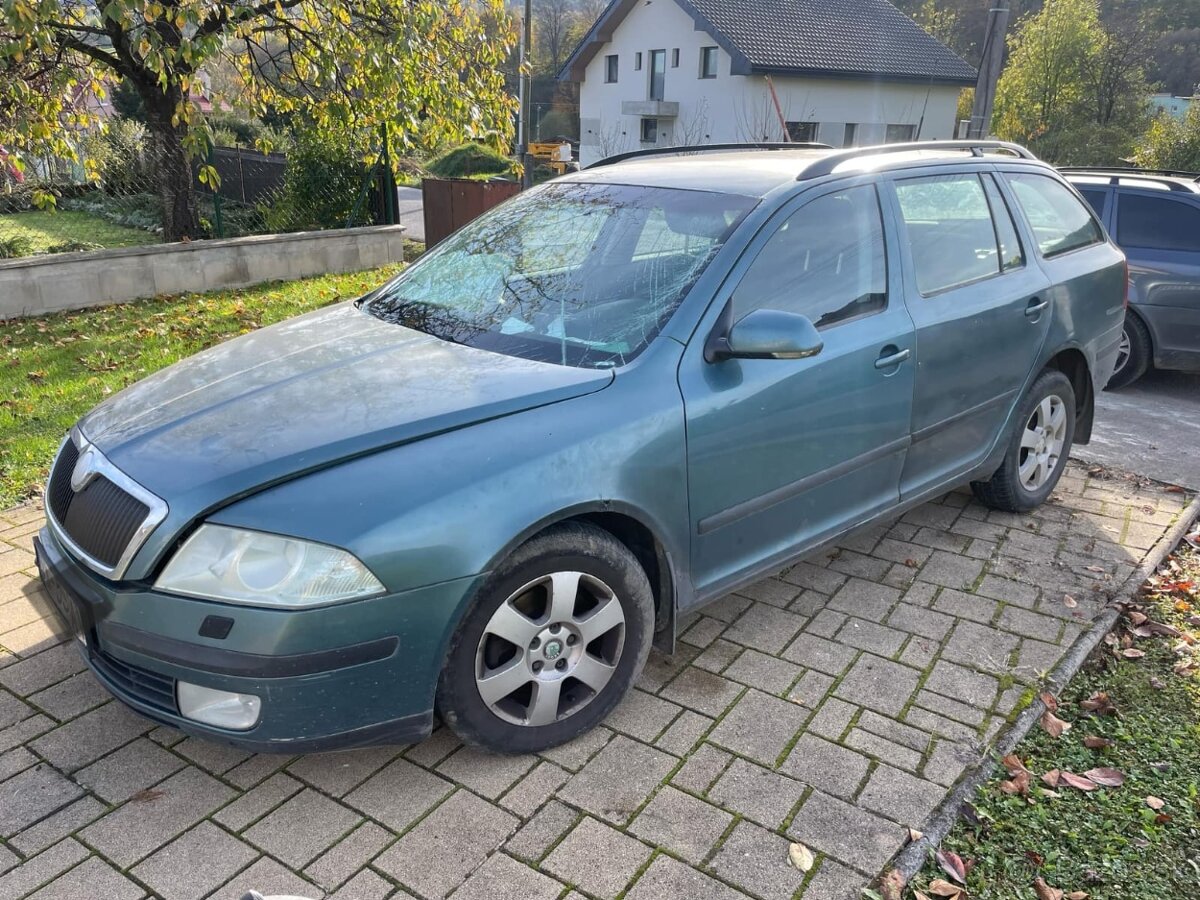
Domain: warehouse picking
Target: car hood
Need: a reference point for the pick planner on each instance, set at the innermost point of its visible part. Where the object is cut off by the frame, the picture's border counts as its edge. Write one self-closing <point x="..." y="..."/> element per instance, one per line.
<point x="303" y="394"/>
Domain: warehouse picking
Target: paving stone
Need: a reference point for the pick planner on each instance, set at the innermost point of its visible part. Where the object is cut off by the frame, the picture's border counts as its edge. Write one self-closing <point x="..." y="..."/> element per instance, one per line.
<point x="718" y="656"/>
<point x="853" y="836"/>
<point x="1036" y="657"/>
<point x="91" y="736"/>
<point x="268" y="878"/>
<point x="366" y="885"/>
<point x="667" y="878"/>
<point x="349" y="855"/>
<point x="8" y="859"/>
<point x="814" y="652"/>
<point x="919" y="652"/>
<point x="256" y="769"/>
<point x="618" y="780"/>
<point x="42" y="868"/>
<point x="38" y="672"/>
<point x="811" y="689"/>
<point x="865" y="539"/>
<point x="661" y="668"/>
<point x="597" y="859"/>
<point x="771" y="591"/>
<point x="703" y="632"/>
<point x="503" y="878"/>
<point x="981" y="647"/>
<point x="832" y="718"/>
<point x="434" y="748"/>
<point x="825" y="623"/>
<point x="574" y="754"/>
<point x="540" y="833"/>
<point x="681" y="824"/>
<point x="702" y="691"/>
<point x="447" y="845"/>
<point x="211" y="756"/>
<point x="166" y="736"/>
<point x="399" y="794"/>
<point x="941" y="539"/>
<point x="642" y="715"/>
<point x="195" y="863"/>
<point x="684" y="733"/>
<point x="33" y="638"/>
<point x="883" y="749"/>
<point x="902" y="552"/>
<point x="337" y="774"/>
<point x="941" y="726"/>
<point x="864" y="599"/>
<point x="966" y="606"/>
<point x="701" y="769"/>
<point x="488" y="774"/>
<point x="869" y="636"/>
<point x="57" y="826"/>
<point x="1029" y="624"/>
<point x="257" y="802"/>
<point x="24" y="731"/>
<point x="14" y="761"/>
<point x="70" y="697"/>
<point x="918" y="620"/>
<point x="757" y="860"/>
<point x="827" y="767"/>
<point x="933" y="515"/>
<point x="950" y="570"/>
<point x="132" y="831"/>
<point x="809" y="603"/>
<point x="303" y="828"/>
<point x="758" y="794"/>
<point x="947" y="762"/>
<point x="532" y="790"/>
<point x="93" y="878"/>
<point x="970" y="715"/>
<point x="897" y="733"/>
<point x="973" y="528"/>
<point x="727" y="608"/>
<point x="767" y="673"/>
<point x="901" y="797"/>
<point x="764" y="628"/>
<point x="962" y="684"/>
<point x="31" y="795"/>
<point x="833" y="881"/>
<point x="858" y="565"/>
<point x="878" y="684"/>
<point x="814" y="577"/>
<point x="133" y="768"/>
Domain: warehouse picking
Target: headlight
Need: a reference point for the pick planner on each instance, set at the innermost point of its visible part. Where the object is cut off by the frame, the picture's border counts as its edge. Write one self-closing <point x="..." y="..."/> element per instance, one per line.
<point x="240" y="566"/>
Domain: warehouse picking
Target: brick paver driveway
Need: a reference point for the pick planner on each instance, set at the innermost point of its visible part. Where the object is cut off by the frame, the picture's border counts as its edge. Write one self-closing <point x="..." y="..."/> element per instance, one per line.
<point x="833" y="705"/>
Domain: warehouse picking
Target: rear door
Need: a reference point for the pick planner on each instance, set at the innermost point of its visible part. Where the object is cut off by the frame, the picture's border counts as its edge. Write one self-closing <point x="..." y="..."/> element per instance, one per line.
<point x="981" y="312"/>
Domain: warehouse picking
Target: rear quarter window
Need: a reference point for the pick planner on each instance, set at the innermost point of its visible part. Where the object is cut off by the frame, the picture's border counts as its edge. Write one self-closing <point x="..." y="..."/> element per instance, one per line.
<point x="1158" y="223"/>
<point x="1060" y="221"/>
<point x="950" y="230"/>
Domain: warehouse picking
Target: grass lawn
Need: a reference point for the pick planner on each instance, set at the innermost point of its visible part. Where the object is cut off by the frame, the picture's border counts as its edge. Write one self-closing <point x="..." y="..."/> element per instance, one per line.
<point x="42" y="230"/>
<point x="1137" y="841"/>
<point x="54" y="369"/>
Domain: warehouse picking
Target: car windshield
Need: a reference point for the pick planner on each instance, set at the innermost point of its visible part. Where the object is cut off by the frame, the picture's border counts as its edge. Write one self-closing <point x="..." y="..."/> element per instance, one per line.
<point x="575" y="274"/>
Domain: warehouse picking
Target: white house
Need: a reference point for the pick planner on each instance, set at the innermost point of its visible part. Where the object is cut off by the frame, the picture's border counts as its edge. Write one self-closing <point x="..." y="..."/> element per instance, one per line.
<point x="656" y="73"/>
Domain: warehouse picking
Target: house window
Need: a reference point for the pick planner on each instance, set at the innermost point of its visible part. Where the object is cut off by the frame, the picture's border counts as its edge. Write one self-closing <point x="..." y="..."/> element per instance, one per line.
<point x="897" y="134"/>
<point x="649" y="131"/>
<point x="850" y="135"/>
<point x="802" y="132"/>
<point x="658" y="73"/>
<point x="708" y="62"/>
<point x="675" y="58"/>
<point x="610" y="69"/>
<point x="637" y="62"/>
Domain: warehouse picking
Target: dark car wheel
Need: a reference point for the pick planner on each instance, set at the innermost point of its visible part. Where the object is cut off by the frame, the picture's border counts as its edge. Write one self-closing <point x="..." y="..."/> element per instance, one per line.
<point x="556" y="638"/>
<point x="1038" y="450"/>
<point x="1133" y="358"/>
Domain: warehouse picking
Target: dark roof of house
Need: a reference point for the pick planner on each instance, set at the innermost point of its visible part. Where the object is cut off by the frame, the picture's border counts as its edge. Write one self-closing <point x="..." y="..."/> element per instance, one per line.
<point x="814" y="38"/>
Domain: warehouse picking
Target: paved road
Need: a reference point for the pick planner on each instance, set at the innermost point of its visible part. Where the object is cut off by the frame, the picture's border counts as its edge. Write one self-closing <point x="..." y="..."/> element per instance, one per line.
<point x="410" y="212"/>
<point x="1151" y="427"/>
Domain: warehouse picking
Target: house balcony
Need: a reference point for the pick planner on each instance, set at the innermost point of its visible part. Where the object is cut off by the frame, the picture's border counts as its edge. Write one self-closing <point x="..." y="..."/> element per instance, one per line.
<point x="650" y="109"/>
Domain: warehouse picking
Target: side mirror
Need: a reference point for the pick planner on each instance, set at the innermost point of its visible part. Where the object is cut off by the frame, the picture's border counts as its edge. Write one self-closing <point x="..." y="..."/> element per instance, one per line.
<point x="765" y="334"/>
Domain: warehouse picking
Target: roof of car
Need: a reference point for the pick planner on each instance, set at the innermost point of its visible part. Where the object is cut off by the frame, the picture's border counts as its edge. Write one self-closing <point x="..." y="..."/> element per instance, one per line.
<point x="756" y="170"/>
<point x="1153" y="179"/>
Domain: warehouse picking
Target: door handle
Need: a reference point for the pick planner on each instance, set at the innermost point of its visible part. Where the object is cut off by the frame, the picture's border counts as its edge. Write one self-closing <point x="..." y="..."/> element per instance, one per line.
<point x="890" y="359"/>
<point x="1036" y="307"/>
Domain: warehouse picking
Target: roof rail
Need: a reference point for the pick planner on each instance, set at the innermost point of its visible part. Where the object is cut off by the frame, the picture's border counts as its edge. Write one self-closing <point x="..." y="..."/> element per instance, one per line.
<point x="706" y="148"/>
<point x="1116" y="173"/>
<point x="827" y="164"/>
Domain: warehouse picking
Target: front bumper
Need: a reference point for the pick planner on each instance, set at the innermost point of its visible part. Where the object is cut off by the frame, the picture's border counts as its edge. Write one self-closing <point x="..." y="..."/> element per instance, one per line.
<point x="349" y="675"/>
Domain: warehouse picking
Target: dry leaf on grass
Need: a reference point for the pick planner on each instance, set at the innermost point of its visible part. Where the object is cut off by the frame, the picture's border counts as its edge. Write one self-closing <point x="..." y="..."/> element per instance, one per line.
<point x="1053" y="725"/>
<point x="1019" y="785"/>
<point x="1044" y="891"/>
<point x="1052" y="778"/>
<point x="941" y="888"/>
<point x="1077" y="781"/>
<point x="1096" y="743"/>
<point x="1105" y="777"/>
<point x="891" y="886"/>
<point x="1133" y="653"/>
<point x="952" y="864"/>
<point x="1155" y="803"/>
<point x="800" y="857"/>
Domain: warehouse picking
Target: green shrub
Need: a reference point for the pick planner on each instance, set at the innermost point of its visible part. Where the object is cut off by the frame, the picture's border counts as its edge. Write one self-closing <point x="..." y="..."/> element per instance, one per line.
<point x="73" y="247"/>
<point x="15" y="246"/>
<point x="123" y="158"/>
<point x="321" y="185"/>
<point x="469" y="161"/>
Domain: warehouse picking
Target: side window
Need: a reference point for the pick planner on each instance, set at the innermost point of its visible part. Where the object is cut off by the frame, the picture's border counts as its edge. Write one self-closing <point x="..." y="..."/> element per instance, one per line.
<point x="827" y="262"/>
<point x="1157" y="223"/>
<point x="1011" y="255"/>
<point x="1094" y="198"/>
<point x="950" y="230"/>
<point x="1060" y="222"/>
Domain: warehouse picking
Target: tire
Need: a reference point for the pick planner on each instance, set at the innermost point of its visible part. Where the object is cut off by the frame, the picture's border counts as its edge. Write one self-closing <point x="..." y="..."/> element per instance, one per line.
<point x="1137" y="351"/>
<point x="560" y="667"/>
<point x="1021" y="483"/>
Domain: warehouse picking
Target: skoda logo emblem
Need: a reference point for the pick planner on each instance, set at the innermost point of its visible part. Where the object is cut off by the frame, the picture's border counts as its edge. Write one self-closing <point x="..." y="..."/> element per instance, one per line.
<point x="553" y="649"/>
<point x="85" y="470"/>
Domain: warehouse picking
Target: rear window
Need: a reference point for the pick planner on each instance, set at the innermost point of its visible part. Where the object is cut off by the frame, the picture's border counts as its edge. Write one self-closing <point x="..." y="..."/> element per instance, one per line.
<point x="1156" y="223"/>
<point x="1094" y="198"/>
<point x="1060" y="222"/>
<point x="950" y="230"/>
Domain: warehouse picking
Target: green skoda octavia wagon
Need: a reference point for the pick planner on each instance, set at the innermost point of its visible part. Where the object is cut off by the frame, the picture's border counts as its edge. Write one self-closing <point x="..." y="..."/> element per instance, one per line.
<point x="486" y="488"/>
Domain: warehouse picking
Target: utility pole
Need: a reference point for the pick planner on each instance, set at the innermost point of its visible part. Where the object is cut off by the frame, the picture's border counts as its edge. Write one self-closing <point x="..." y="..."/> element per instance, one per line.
<point x="989" y="70"/>
<point x="526" y="94"/>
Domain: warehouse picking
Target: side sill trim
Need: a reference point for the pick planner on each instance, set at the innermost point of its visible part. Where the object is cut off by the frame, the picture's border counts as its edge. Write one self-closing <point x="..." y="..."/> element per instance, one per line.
<point x="930" y="430"/>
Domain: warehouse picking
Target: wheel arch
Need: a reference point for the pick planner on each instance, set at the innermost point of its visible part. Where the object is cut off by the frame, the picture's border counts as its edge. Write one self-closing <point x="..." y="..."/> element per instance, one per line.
<point x="1072" y="362"/>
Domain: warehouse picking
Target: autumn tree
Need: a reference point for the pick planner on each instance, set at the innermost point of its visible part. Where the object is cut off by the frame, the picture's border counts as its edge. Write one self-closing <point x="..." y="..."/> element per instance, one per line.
<point x="1172" y="143"/>
<point x="421" y="66"/>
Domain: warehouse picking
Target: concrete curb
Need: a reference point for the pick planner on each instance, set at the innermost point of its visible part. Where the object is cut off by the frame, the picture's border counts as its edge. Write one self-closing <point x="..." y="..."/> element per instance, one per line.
<point x="912" y="858"/>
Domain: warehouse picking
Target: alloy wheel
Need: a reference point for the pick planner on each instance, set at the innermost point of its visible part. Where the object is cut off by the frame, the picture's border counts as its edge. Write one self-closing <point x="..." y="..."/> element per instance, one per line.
<point x="1042" y="442"/>
<point x="1123" y="349"/>
<point x="550" y="648"/>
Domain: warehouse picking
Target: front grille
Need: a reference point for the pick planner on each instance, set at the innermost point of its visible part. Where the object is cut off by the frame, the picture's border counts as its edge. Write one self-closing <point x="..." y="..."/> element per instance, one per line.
<point x="59" y="491"/>
<point x="141" y="684"/>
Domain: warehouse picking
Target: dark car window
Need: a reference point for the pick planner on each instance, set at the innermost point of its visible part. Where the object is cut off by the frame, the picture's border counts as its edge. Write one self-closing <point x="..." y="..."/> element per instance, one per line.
<point x="576" y="274"/>
<point x="1156" y="223"/>
<point x="950" y="230"/>
<point x="1059" y="221"/>
<point x="827" y="262"/>
<point x="1094" y="198"/>
<point x="1011" y="254"/>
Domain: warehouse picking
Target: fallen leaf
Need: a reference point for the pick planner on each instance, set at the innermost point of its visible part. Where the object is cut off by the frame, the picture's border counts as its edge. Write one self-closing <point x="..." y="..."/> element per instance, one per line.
<point x="1174" y="489"/>
<point x="1044" y="891"/>
<point x="1050" y="700"/>
<point x="1155" y="803"/>
<point x="1096" y="743"/>
<point x="1012" y="764"/>
<point x="1095" y="568"/>
<point x="914" y="835"/>
<point x="1138" y="618"/>
<point x="1052" y="778"/>
<point x="1077" y="895"/>
<point x="1078" y="782"/>
<point x="1070" y="602"/>
<point x="942" y="888"/>
<point x="1133" y="653"/>
<point x="1106" y="777"/>
<point x="1054" y="795"/>
<point x="1156" y="684"/>
<point x="917" y="895"/>
<point x="911" y="563"/>
<point x="891" y="886"/>
<point x="1162" y="819"/>
<point x="1053" y="725"/>
<point x="1165" y="630"/>
<point x="1036" y="858"/>
<point x="800" y="857"/>
<point x="147" y="796"/>
<point x="952" y="865"/>
<point x="1018" y="786"/>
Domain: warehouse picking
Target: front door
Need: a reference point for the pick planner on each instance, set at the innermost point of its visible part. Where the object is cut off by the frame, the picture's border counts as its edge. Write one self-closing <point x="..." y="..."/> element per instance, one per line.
<point x="785" y="453"/>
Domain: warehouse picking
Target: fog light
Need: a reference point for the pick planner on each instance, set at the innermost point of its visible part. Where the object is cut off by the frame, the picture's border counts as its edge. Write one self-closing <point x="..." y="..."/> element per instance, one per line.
<point x="221" y="709"/>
